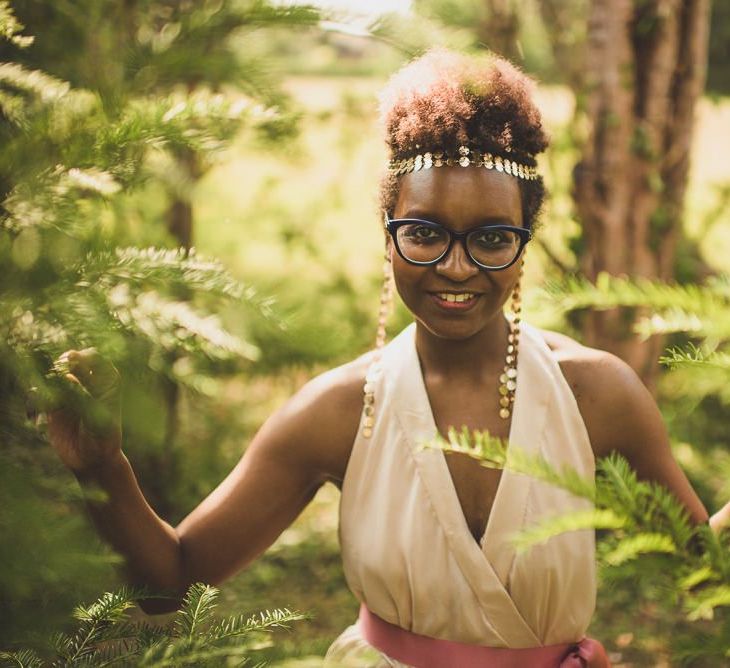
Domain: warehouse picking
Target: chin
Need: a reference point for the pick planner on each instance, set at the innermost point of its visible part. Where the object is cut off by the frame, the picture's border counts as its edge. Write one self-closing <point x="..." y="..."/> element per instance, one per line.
<point x="451" y="328"/>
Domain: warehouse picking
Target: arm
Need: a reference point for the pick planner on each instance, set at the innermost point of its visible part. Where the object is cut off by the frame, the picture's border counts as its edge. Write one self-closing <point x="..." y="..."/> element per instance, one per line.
<point x="303" y="444"/>
<point x="622" y="416"/>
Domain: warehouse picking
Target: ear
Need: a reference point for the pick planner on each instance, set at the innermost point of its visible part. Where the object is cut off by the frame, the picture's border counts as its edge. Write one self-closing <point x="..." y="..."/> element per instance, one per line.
<point x="388" y="239"/>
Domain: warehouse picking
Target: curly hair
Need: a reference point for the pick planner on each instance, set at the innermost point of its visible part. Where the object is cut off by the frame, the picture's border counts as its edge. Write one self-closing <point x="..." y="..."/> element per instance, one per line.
<point x="443" y="100"/>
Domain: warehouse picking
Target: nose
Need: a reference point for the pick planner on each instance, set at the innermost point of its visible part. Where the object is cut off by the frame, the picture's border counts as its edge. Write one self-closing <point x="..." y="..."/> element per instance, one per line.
<point x="456" y="264"/>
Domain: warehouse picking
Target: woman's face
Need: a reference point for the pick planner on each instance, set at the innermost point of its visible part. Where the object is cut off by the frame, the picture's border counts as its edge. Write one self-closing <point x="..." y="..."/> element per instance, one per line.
<point x="458" y="198"/>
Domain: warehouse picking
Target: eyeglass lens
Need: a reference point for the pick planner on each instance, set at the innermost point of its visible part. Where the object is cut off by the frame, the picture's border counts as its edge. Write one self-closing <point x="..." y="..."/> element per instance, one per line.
<point x="491" y="247"/>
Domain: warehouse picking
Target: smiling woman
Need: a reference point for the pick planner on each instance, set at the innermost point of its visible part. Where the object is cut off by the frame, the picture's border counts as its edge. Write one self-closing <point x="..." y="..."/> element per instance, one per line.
<point x="426" y="539"/>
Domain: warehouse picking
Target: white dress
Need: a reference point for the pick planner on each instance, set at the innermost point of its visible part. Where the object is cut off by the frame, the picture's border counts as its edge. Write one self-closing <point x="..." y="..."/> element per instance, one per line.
<point x="407" y="551"/>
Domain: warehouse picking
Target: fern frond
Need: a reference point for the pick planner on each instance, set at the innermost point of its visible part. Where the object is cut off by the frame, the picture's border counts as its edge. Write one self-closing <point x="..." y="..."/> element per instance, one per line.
<point x="159" y="266"/>
<point x="493" y="452"/>
<point x="10" y="27"/>
<point x="666" y="512"/>
<point x="174" y="325"/>
<point x="632" y="547"/>
<point x="619" y="486"/>
<point x="42" y="86"/>
<point x="697" y="577"/>
<point x="197" y="608"/>
<point x="241" y="625"/>
<point x="110" y="607"/>
<point x="703" y="605"/>
<point x="23" y="658"/>
<point x="611" y="291"/>
<point x="669" y="322"/>
<point x="693" y="356"/>
<point x="95" y="619"/>
<point x="93" y="180"/>
<point x="490" y="451"/>
<point x="593" y="518"/>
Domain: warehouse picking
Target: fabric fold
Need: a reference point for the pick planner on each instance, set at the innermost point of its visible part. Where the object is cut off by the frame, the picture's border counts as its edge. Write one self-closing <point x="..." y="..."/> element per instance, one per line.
<point x="407" y="551"/>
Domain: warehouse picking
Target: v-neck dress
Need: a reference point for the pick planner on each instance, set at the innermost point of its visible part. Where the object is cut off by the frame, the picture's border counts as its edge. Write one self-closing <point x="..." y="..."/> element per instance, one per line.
<point x="407" y="551"/>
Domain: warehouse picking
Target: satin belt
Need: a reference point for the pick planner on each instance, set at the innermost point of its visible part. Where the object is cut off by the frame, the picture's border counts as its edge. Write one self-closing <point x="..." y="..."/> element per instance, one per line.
<point x="424" y="652"/>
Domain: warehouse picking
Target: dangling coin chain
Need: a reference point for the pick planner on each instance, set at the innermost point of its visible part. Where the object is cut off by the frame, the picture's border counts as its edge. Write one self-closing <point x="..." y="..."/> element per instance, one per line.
<point x="508" y="379"/>
<point x="375" y="369"/>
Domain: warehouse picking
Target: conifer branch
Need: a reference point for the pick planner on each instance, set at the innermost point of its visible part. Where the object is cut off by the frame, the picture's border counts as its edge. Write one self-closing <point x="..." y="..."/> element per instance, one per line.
<point x="10" y="27"/>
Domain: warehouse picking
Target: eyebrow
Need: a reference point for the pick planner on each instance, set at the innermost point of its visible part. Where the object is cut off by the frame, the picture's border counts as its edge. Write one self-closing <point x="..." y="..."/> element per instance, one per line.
<point x="483" y="222"/>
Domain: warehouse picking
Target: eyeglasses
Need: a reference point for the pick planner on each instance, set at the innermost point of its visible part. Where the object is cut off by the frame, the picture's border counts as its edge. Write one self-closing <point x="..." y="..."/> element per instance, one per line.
<point x="424" y="242"/>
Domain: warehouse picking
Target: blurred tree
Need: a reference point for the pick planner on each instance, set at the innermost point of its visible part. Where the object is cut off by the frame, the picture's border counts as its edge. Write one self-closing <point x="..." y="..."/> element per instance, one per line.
<point x="78" y="172"/>
<point x="494" y="24"/>
<point x="637" y="69"/>
<point x="500" y="30"/>
<point x="718" y="71"/>
<point x="565" y="27"/>
<point x="645" y="71"/>
<point x="138" y="48"/>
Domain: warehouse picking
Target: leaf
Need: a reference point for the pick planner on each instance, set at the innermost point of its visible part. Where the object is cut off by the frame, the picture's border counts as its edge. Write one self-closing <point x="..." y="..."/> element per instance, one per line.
<point x="576" y="521"/>
<point x="23" y="658"/>
<point x="198" y="605"/>
<point x="697" y="577"/>
<point x="634" y="546"/>
<point x="493" y="452"/>
<point x="43" y="86"/>
<point x="110" y="607"/>
<point x="695" y="357"/>
<point x="264" y="621"/>
<point x="10" y="27"/>
<point x="703" y="607"/>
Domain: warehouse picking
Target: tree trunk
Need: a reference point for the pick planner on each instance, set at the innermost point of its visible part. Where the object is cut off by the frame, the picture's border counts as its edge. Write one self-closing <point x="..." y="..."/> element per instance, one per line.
<point x="646" y="63"/>
<point x="565" y="25"/>
<point x="180" y="227"/>
<point x="500" y="31"/>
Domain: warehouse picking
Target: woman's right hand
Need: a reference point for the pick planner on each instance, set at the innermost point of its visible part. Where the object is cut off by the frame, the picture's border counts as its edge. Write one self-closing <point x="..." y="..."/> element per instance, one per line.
<point x="86" y="431"/>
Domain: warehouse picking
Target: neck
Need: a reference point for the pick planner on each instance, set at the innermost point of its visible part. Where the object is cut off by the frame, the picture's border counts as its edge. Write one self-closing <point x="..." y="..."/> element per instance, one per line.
<point x="477" y="356"/>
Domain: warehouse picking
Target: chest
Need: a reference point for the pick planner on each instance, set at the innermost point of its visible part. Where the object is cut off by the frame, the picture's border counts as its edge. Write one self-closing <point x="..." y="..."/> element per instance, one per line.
<point x="475" y="407"/>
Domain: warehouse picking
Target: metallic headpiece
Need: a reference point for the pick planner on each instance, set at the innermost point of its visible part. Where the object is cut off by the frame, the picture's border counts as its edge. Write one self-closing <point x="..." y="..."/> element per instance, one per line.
<point x="465" y="157"/>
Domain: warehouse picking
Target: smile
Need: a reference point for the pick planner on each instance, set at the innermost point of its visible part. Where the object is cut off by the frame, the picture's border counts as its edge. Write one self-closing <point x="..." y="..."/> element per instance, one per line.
<point x="451" y="301"/>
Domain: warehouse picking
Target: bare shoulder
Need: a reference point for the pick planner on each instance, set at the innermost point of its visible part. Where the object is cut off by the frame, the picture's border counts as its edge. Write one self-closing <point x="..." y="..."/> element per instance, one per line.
<point x="611" y="397"/>
<point x="320" y="421"/>
<point x="621" y="416"/>
<point x="589" y="370"/>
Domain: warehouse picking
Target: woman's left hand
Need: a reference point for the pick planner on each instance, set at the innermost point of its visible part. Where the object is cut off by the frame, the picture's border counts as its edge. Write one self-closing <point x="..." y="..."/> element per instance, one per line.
<point x="721" y="519"/>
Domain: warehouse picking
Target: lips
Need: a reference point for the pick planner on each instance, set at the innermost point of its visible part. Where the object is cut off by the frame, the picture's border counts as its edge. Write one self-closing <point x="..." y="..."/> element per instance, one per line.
<point x="455" y="301"/>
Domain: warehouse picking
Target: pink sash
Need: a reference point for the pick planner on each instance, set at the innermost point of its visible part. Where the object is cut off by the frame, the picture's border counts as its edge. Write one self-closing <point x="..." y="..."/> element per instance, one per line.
<point x="424" y="652"/>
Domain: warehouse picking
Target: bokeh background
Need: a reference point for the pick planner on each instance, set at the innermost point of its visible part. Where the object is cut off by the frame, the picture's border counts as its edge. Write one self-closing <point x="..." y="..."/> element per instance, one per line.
<point x="248" y="132"/>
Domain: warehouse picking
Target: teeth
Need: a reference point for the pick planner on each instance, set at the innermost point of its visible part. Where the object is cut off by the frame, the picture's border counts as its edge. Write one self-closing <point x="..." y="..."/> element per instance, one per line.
<point x="449" y="297"/>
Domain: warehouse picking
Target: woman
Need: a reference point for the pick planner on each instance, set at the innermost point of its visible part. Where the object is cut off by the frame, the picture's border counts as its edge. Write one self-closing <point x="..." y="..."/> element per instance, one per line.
<point x="424" y="537"/>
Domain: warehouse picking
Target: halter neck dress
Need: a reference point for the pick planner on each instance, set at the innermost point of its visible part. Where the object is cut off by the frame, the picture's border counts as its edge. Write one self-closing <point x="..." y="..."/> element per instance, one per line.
<point x="407" y="551"/>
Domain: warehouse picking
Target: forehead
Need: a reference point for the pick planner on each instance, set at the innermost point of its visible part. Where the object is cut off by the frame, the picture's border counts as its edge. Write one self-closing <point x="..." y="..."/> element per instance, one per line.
<point x="460" y="196"/>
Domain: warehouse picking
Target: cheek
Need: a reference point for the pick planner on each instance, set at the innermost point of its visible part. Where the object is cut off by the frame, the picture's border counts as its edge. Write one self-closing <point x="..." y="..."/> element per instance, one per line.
<point x="407" y="279"/>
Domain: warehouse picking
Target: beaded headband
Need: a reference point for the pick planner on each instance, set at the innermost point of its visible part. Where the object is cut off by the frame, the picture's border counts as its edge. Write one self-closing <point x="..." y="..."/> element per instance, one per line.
<point x="466" y="157"/>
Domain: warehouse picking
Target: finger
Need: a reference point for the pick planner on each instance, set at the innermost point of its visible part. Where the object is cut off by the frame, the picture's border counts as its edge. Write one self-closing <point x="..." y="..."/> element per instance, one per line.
<point x="97" y="374"/>
<point x="71" y="378"/>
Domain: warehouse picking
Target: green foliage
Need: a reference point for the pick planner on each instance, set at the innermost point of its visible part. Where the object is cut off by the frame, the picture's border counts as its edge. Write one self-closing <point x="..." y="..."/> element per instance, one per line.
<point x="106" y="635"/>
<point x="87" y="262"/>
<point x="699" y="311"/>
<point x="718" y="71"/>
<point x="10" y="27"/>
<point x="645" y="535"/>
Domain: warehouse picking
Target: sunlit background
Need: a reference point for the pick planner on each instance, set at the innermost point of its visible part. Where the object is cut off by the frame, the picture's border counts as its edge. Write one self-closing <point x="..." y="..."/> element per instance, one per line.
<point x="285" y="195"/>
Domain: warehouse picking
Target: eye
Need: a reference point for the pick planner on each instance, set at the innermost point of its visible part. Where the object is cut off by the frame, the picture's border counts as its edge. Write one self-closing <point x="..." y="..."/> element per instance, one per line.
<point x="421" y="233"/>
<point x="493" y="238"/>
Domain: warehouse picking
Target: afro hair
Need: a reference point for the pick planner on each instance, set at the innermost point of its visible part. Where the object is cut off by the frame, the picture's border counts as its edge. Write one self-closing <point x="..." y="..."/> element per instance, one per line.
<point x="443" y="100"/>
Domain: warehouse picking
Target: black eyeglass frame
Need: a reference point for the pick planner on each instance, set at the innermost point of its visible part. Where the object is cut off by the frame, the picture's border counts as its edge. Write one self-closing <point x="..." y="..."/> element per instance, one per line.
<point x="392" y="225"/>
